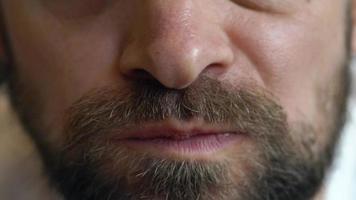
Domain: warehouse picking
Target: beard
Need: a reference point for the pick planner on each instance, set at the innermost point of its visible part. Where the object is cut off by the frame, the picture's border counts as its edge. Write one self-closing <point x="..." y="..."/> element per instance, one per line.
<point x="137" y="175"/>
<point x="284" y="160"/>
<point x="280" y="162"/>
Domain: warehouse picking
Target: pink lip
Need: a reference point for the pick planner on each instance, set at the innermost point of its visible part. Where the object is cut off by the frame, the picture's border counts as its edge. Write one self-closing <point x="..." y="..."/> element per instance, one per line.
<point x="169" y="133"/>
<point x="179" y="139"/>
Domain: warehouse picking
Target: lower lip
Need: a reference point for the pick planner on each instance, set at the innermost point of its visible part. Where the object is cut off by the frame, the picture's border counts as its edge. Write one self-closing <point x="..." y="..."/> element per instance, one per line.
<point x="200" y="144"/>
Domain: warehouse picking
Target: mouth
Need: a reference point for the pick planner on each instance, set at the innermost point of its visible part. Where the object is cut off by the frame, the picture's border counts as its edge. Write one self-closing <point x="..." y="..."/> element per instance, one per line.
<point x="182" y="139"/>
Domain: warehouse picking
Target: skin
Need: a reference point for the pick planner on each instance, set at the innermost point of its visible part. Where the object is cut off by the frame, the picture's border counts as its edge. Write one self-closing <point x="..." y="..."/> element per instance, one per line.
<point x="287" y="48"/>
<point x="273" y="48"/>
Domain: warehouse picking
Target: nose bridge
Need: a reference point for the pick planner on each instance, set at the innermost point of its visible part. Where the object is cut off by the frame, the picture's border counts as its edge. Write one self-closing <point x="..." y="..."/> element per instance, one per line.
<point x="167" y="18"/>
<point x="170" y="41"/>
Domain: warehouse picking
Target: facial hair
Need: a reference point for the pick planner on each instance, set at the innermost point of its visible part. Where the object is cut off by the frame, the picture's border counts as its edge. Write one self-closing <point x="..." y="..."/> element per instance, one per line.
<point x="90" y="167"/>
<point x="280" y="167"/>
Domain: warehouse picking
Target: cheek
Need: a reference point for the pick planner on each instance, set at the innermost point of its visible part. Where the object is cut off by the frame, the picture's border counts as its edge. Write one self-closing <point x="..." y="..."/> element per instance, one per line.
<point x="75" y="8"/>
<point x="60" y="60"/>
<point x="293" y="58"/>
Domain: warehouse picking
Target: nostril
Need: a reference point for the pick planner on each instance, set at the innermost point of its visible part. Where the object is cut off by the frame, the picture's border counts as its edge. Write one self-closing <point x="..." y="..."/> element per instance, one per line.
<point x="140" y="78"/>
<point x="140" y="74"/>
<point x="214" y="69"/>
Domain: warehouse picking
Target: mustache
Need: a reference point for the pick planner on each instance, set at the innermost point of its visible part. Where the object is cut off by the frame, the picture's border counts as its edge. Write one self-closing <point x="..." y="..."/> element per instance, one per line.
<point x="250" y="110"/>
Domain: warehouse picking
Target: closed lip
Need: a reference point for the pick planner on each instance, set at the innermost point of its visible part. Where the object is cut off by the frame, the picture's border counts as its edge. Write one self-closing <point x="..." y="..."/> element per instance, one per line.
<point x="194" y="139"/>
<point x="172" y="130"/>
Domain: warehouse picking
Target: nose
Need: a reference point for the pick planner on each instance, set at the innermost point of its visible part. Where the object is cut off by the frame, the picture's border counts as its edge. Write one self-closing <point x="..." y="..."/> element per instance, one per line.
<point x="174" y="42"/>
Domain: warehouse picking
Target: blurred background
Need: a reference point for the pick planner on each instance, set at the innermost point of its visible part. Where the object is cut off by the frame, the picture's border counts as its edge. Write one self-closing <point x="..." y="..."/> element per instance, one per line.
<point x="341" y="183"/>
<point x="22" y="176"/>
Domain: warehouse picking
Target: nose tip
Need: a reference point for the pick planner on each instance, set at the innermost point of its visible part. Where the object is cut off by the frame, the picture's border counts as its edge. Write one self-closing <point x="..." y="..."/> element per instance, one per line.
<point x="176" y="67"/>
<point x="172" y="71"/>
<point x="175" y="46"/>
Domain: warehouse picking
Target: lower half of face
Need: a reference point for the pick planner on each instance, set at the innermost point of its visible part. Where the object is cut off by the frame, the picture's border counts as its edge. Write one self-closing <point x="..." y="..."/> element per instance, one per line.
<point x="258" y="122"/>
<point x="208" y="141"/>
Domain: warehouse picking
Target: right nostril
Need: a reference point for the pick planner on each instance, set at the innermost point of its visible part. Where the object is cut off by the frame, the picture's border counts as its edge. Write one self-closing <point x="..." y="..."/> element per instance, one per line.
<point x="140" y="74"/>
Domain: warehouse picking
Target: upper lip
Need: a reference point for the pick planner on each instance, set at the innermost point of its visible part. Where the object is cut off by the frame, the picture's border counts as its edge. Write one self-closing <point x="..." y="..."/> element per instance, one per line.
<point x="171" y="130"/>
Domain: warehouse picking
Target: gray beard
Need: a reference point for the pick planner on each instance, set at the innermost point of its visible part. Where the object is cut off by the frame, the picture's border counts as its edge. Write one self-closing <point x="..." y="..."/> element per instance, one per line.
<point x="284" y="167"/>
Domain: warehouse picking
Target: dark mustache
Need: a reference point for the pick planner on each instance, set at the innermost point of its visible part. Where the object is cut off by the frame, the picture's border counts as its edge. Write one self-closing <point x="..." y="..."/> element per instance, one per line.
<point x="105" y="109"/>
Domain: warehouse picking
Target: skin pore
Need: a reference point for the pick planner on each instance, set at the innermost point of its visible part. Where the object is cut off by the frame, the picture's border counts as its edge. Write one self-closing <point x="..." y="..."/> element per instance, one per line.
<point x="84" y="70"/>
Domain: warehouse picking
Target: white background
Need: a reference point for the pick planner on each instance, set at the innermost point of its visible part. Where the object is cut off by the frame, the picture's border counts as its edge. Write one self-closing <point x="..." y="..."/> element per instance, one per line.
<point x="342" y="182"/>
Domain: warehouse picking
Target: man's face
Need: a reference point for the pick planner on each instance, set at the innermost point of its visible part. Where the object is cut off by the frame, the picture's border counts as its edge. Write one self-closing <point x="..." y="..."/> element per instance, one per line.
<point x="203" y="99"/>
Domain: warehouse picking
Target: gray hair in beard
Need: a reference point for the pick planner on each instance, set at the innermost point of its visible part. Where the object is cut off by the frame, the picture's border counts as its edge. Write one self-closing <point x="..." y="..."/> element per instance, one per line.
<point x="279" y="172"/>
